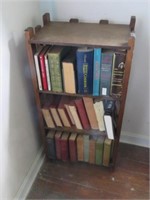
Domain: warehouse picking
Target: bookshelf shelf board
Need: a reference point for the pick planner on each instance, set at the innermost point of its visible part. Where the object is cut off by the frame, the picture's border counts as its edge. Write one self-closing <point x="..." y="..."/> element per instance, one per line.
<point x="83" y="34"/>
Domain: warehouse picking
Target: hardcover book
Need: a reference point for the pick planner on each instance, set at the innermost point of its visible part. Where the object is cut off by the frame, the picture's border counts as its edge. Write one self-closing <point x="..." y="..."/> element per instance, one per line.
<point x="106" y="73"/>
<point x="88" y="103"/>
<point x="118" y="74"/>
<point x="99" y="150"/>
<point x="86" y="147"/>
<point x="65" y="146"/>
<point x="55" y="56"/>
<point x="58" y="135"/>
<point x="80" y="148"/>
<point x="51" y="151"/>
<point x="82" y="113"/>
<point x="73" y="147"/>
<point x="92" y="150"/>
<point x="107" y="152"/>
<point x="85" y="70"/>
<point x="47" y="69"/>
<point x="96" y="71"/>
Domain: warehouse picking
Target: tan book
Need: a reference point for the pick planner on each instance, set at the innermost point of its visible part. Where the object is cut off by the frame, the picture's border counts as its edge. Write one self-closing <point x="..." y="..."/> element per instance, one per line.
<point x="80" y="148"/>
<point x="69" y="114"/>
<point x="48" y="118"/>
<point x="107" y="152"/>
<point x="99" y="110"/>
<point x="92" y="144"/>
<point x="88" y="102"/>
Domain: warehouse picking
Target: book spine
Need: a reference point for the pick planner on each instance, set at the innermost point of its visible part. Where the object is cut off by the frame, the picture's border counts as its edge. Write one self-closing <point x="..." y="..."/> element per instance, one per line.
<point x="51" y="148"/>
<point x="92" y="143"/>
<point x="38" y="72"/>
<point x="107" y="152"/>
<point x="58" y="148"/>
<point x="73" y="150"/>
<point x="64" y="150"/>
<point x="85" y="72"/>
<point x="43" y="72"/>
<point x="86" y="147"/>
<point x="99" y="151"/>
<point x="106" y="73"/>
<point x="80" y="148"/>
<point x="96" y="71"/>
<point x="47" y="73"/>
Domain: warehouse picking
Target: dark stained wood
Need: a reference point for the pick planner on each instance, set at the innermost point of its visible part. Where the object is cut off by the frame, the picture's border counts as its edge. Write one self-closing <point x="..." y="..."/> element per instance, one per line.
<point x="37" y="28"/>
<point x="132" y="23"/>
<point x="65" y="180"/>
<point x="46" y="18"/>
<point x="110" y="36"/>
<point x="74" y="20"/>
<point x="104" y="21"/>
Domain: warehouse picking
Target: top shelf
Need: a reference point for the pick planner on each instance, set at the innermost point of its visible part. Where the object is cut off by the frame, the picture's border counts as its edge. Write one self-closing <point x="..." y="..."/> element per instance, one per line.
<point x="83" y="34"/>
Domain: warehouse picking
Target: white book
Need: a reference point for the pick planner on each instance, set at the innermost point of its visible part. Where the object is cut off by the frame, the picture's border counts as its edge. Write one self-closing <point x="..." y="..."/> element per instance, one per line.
<point x="109" y="126"/>
<point x="99" y="111"/>
<point x="37" y="67"/>
<point x="47" y="72"/>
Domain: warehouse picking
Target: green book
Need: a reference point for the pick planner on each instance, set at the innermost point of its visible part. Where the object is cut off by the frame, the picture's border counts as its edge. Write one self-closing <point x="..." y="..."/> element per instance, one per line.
<point x="99" y="150"/>
<point x="55" y="56"/>
<point x="107" y="152"/>
<point x="86" y="147"/>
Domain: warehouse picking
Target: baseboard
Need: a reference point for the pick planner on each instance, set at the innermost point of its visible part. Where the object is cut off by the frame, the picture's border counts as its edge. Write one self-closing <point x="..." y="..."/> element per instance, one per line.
<point x="29" y="179"/>
<point x="135" y="139"/>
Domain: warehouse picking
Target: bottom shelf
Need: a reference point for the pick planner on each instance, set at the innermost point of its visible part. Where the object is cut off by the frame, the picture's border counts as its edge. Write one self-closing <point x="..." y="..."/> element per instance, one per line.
<point x="75" y="147"/>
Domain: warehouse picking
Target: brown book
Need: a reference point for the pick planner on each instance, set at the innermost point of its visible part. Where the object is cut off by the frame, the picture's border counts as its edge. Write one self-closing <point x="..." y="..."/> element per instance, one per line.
<point x="73" y="146"/>
<point x="92" y="150"/>
<point x="88" y="102"/>
<point x="107" y="152"/>
<point x="65" y="146"/>
<point x="62" y="111"/>
<point x="58" y="144"/>
<point x="54" y="112"/>
<point x="80" y="148"/>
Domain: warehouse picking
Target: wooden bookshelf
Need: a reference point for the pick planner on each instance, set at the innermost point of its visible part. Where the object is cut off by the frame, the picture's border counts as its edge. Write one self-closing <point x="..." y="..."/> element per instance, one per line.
<point x="74" y="33"/>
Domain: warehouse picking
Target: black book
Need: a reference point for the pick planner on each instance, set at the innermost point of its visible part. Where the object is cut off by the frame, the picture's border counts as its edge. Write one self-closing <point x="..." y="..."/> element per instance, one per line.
<point x="51" y="150"/>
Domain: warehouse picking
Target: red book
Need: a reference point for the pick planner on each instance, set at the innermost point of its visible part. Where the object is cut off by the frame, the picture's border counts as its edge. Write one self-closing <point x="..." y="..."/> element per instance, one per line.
<point x="82" y="113"/>
<point x="73" y="146"/>
<point x="58" y="144"/>
<point x="65" y="146"/>
<point x="43" y="67"/>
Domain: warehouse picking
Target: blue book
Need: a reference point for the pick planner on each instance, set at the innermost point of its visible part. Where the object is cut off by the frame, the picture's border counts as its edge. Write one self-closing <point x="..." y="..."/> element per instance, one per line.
<point x="85" y="71"/>
<point x="106" y="72"/>
<point x="96" y="71"/>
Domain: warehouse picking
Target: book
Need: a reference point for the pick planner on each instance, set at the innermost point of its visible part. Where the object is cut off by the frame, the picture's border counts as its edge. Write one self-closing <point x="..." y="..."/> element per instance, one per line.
<point x="99" y="150"/>
<point x="109" y="126"/>
<point x="43" y="67"/>
<point x="69" y="72"/>
<point x="51" y="151"/>
<point x="106" y="72"/>
<point x="84" y="58"/>
<point x="58" y="135"/>
<point x="37" y="67"/>
<point x="63" y="112"/>
<point x="107" y="152"/>
<point x="92" y="147"/>
<point x="69" y="114"/>
<point x="65" y="146"/>
<point x="118" y="73"/>
<point x="47" y="70"/>
<point x="86" y="148"/>
<point x="96" y="71"/>
<point x="75" y="115"/>
<point x="80" y="148"/>
<point x="73" y="147"/>
<point x="99" y="110"/>
<point x="55" y="57"/>
<point x="54" y="112"/>
<point x="88" y="103"/>
<point x="82" y="113"/>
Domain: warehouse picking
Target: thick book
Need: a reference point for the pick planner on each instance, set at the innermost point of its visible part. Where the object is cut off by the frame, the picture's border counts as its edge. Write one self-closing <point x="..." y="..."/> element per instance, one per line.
<point x="96" y="71"/>
<point x="106" y="73"/>
<point x="86" y="147"/>
<point x="73" y="147"/>
<point x="54" y="112"/>
<point x="58" y="135"/>
<point x="47" y="70"/>
<point x="63" y="112"/>
<point x="107" y="152"/>
<point x="75" y="115"/>
<point x="99" y="110"/>
<point x="69" y="114"/>
<point x="88" y="103"/>
<point x="50" y="139"/>
<point x="69" y="72"/>
<point x="92" y="147"/>
<point x="80" y="148"/>
<point x="37" y="67"/>
<point x="55" y="57"/>
<point x="84" y="58"/>
<point x="118" y="73"/>
<point x="82" y="113"/>
<point x="43" y="67"/>
<point x="65" y="146"/>
<point x="99" y="150"/>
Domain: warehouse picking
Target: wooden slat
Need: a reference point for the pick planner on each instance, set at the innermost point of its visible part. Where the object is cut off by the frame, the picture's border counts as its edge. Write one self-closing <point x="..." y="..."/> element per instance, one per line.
<point x="132" y="23"/>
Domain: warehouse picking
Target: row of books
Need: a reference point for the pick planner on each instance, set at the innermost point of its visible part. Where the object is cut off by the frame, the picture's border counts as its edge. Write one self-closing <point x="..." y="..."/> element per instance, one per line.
<point x="74" y="147"/>
<point x="81" y="113"/>
<point x="80" y="70"/>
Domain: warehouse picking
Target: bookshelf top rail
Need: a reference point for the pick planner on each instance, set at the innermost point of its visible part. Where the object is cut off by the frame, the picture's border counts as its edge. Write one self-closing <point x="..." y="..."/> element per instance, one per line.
<point x="83" y="34"/>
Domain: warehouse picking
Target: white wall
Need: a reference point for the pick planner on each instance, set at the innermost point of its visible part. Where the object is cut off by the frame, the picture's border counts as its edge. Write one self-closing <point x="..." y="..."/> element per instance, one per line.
<point x="135" y="127"/>
<point x="20" y="141"/>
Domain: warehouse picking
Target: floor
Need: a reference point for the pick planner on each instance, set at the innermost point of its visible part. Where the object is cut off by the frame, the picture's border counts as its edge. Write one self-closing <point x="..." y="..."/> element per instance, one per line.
<point x="63" y="180"/>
